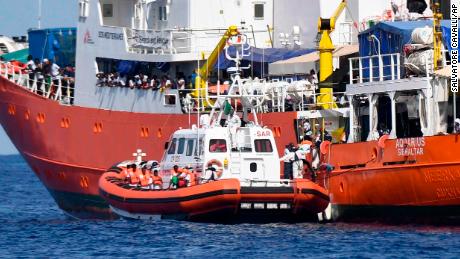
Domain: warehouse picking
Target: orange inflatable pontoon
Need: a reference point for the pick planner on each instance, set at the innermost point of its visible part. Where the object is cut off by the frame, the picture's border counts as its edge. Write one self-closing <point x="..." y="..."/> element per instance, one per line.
<point x="217" y="201"/>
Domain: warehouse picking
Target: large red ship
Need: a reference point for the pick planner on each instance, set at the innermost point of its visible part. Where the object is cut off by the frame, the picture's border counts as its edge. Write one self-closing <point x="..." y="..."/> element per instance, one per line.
<point x="69" y="147"/>
<point x="69" y="138"/>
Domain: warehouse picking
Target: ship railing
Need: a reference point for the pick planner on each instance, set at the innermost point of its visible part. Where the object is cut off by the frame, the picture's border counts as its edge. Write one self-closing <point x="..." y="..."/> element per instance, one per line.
<point x="385" y="67"/>
<point x="173" y="41"/>
<point x="375" y="68"/>
<point x="275" y="101"/>
<point x="58" y="89"/>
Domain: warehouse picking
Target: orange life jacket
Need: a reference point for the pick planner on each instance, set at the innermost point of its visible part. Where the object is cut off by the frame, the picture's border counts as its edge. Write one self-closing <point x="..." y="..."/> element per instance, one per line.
<point x="144" y="180"/>
<point x="157" y="180"/>
<point x="134" y="177"/>
<point x="306" y="142"/>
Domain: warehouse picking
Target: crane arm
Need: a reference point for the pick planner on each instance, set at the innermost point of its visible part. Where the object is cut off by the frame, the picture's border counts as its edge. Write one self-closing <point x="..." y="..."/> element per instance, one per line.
<point x="337" y="13"/>
<point x="212" y="59"/>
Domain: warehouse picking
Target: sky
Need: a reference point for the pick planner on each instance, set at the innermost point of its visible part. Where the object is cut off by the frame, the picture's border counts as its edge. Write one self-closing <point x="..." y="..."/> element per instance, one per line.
<point x="17" y="16"/>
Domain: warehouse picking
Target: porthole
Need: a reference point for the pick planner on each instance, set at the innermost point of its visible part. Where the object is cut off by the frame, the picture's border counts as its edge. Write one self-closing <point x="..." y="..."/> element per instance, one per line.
<point x="253" y="167"/>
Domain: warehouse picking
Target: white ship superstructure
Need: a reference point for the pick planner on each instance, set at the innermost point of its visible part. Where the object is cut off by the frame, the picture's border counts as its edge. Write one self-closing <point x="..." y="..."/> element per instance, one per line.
<point x="180" y="32"/>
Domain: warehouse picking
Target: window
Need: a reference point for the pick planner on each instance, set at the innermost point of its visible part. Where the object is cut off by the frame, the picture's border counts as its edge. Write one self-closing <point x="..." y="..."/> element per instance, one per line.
<point x="263" y="146"/>
<point x="218" y="146"/>
<point x="107" y="10"/>
<point x="253" y="167"/>
<point x="259" y="11"/>
<point x="84" y="8"/>
<point x="172" y="147"/>
<point x="162" y="13"/>
<point x="181" y="146"/>
<point x="190" y="146"/>
<point x="170" y="99"/>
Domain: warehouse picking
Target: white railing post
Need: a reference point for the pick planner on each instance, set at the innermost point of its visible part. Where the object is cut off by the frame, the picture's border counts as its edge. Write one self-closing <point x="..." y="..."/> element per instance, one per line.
<point x="34" y="84"/>
<point x="13" y="75"/>
<point x="58" y="93"/>
<point x="371" y="72"/>
<point x="360" y="70"/>
<point x="392" y="66"/>
<point x="48" y="94"/>
<point x="380" y="68"/>
<point x="398" y="66"/>
<point x="351" y="70"/>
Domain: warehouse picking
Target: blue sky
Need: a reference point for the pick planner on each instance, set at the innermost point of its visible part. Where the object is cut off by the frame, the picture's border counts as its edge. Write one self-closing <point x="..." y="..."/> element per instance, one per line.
<point x="17" y="16"/>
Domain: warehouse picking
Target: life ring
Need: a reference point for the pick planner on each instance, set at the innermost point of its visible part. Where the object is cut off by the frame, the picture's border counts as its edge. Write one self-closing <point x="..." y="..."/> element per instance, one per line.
<point x="217" y="165"/>
<point x="382" y="139"/>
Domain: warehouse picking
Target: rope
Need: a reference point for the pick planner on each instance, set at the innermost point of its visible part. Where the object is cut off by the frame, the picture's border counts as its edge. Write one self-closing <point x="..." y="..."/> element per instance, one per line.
<point x="355" y="23"/>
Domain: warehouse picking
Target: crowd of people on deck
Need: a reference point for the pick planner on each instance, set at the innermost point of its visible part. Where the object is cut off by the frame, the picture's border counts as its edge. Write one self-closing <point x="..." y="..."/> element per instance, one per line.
<point x="141" y="81"/>
<point x="46" y="73"/>
<point x="142" y="176"/>
<point x="149" y="178"/>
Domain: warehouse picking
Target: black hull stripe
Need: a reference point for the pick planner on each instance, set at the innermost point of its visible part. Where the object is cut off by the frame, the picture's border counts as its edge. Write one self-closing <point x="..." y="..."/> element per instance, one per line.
<point x="169" y="200"/>
<point x="266" y="190"/>
<point x="317" y="193"/>
<point x="252" y="190"/>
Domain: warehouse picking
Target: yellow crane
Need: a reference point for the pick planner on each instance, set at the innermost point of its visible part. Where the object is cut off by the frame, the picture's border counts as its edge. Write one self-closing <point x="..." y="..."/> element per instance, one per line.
<point x="437" y="34"/>
<point x="204" y="71"/>
<point x="326" y="48"/>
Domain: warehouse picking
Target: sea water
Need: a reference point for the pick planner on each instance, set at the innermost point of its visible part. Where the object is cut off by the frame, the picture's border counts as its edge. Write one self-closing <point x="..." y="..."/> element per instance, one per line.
<point x="31" y="225"/>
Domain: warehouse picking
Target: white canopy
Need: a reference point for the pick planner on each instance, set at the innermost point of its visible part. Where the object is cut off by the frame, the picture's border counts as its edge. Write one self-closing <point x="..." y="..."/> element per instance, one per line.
<point x="303" y="64"/>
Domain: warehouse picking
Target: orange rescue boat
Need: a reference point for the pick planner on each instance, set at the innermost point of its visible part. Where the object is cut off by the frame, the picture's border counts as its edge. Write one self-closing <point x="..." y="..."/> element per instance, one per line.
<point x="220" y="201"/>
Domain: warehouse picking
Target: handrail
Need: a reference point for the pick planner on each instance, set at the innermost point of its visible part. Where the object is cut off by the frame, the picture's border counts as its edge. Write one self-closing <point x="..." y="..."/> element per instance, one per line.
<point x="357" y="69"/>
<point x="54" y="91"/>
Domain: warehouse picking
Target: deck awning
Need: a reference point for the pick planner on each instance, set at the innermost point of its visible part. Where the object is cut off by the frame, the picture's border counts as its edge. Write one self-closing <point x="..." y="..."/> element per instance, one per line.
<point x="445" y="72"/>
<point x="20" y="55"/>
<point x="303" y="64"/>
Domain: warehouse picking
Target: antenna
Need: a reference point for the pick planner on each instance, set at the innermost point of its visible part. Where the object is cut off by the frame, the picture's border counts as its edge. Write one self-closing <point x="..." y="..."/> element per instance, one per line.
<point x="39" y="14"/>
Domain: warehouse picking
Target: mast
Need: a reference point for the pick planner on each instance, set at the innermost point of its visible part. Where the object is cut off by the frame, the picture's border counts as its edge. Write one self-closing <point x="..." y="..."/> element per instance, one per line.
<point x="326" y="48"/>
<point x="39" y="14"/>
<point x="437" y="34"/>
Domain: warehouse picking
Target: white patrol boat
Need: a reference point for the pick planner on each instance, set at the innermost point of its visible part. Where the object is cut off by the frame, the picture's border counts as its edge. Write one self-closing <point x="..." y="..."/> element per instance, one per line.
<point x="236" y="171"/>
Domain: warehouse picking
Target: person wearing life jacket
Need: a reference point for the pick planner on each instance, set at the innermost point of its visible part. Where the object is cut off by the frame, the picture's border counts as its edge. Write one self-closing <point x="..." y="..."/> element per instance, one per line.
<point x="307" y="146"/>
<point x="174" y="182"/>
<point x="182" y="177"/>
<point x="124" y="173"/>
<point x="191" y="176"/>
<point x="157" y="181"/>
<point x="144" y="178"/>
<point x="134" y="175"/>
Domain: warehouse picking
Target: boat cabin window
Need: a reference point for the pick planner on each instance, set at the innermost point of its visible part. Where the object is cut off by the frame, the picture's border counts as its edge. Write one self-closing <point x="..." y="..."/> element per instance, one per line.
<point x="107" y="10"/>
<point x="263" y="146"/>
<point x="259" y="11"/>
<point x="253" y="167"/>
<point x="217" y="146"/>
<point x="170" y="99"/>
<point x="190" y="146"/>
<point x="172" y="147"/>
<point x="181" y="146"/>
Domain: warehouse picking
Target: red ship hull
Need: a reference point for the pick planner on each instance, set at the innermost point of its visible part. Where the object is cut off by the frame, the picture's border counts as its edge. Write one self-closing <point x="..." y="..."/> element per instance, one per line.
<point x="407" y="179"/>
<point x="70" y="147"/>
